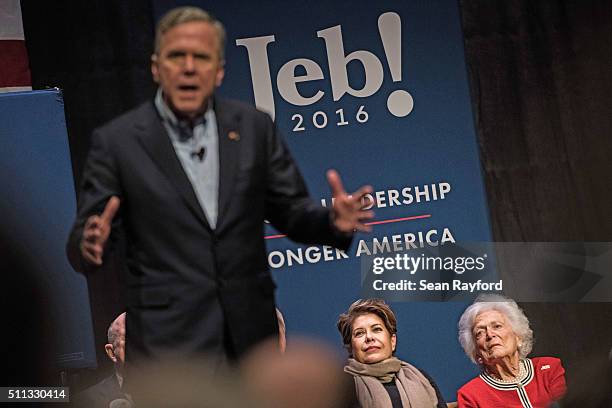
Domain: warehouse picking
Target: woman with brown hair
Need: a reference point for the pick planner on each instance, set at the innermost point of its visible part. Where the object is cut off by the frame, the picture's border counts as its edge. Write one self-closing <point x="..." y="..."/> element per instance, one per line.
<point x="368" y="331"/>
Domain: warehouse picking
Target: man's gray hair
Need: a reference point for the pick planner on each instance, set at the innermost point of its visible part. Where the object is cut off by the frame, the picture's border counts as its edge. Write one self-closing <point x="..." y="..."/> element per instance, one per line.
<point x="182" y="15"/>
<point x="506" y="306"/>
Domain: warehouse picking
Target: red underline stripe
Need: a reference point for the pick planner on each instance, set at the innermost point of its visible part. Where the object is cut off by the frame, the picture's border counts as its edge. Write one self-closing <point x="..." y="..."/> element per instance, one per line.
<point x="275" y="236"/>
<point x="415" y="217"/>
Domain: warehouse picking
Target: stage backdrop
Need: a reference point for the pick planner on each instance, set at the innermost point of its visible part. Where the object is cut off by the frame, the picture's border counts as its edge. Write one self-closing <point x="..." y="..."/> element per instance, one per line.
<point x="378" y="91"/>
<point x="38" y="207"/>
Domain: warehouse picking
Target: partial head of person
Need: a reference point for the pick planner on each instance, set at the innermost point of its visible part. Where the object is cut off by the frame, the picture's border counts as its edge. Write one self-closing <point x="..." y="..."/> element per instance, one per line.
<point x="368" y="330"/>
<point x="115" y="348"/>
<point x="188" y="61"/>
<point x="308" y="375"/>
<point x="494" y="328"/>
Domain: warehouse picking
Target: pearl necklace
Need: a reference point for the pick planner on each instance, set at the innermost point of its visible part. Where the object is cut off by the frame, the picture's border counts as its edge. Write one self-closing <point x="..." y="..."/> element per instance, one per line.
<point x="517" y="379"/>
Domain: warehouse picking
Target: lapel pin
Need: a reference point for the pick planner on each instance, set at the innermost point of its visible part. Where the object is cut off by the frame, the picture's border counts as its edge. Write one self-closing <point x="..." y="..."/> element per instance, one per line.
<point x="233" y="136"/>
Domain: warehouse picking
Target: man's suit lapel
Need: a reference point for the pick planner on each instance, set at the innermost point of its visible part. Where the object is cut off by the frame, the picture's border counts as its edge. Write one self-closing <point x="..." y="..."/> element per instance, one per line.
<point x="154" y="139"/>
<point x="228" y="126"/>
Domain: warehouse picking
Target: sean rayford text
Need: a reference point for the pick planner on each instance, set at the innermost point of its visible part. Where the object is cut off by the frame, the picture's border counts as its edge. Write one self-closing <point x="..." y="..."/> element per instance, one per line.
<point x="424" y="285"/>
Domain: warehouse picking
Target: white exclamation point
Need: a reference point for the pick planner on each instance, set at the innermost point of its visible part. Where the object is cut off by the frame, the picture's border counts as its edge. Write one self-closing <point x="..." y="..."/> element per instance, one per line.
<point x="399" y="102"/>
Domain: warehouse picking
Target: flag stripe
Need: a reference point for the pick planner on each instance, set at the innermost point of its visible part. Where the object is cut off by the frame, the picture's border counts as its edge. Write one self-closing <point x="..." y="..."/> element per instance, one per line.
<point x="14" y="70"/>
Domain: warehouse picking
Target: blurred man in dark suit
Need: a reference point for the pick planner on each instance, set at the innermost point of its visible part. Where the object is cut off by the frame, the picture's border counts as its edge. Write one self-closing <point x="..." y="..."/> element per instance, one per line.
<point x="190" y="178"/>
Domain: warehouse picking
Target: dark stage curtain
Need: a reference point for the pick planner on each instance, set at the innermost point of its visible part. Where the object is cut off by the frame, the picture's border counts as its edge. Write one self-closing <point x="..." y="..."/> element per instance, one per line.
<point x="542" y="99"/>
<point x="97" y="52"/>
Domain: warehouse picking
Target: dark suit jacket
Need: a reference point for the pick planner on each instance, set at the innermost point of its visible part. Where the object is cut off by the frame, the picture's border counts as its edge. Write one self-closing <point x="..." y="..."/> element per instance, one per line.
<point x="191" y="288"/>
<point x="99" y="395"/>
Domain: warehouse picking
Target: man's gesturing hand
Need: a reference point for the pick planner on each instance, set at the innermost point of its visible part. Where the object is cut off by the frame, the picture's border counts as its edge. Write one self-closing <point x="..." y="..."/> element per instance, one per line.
<point x="96" y="232"/>
<point x="348" y="213"/>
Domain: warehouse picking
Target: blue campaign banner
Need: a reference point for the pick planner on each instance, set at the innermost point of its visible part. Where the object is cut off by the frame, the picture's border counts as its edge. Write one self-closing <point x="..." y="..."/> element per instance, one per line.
<point x="378" y="91"/>
<point x="38" y="206"/>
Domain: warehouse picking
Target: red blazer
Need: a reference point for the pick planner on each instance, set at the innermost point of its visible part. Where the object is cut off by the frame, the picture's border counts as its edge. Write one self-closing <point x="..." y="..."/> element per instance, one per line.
<point x="544" y="384"/>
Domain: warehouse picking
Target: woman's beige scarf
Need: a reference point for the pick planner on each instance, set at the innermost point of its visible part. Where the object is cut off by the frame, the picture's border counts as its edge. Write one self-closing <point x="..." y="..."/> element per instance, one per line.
<point x="414" y="389"/>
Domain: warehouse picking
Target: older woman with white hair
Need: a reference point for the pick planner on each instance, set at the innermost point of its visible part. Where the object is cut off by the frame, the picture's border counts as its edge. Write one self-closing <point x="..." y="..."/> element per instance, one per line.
<point x="495" y="334"/>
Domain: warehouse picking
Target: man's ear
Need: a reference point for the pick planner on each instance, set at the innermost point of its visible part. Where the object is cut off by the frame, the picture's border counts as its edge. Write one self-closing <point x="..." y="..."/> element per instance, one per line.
<point x="155" y="68"/>
<point x="220" y="74"/>
<point x="110" y="352"/>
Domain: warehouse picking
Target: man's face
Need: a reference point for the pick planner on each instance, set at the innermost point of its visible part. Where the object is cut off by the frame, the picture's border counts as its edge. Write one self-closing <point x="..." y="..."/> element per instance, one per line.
<point x="120" y="349"/>
<point x="187" y="67"/>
